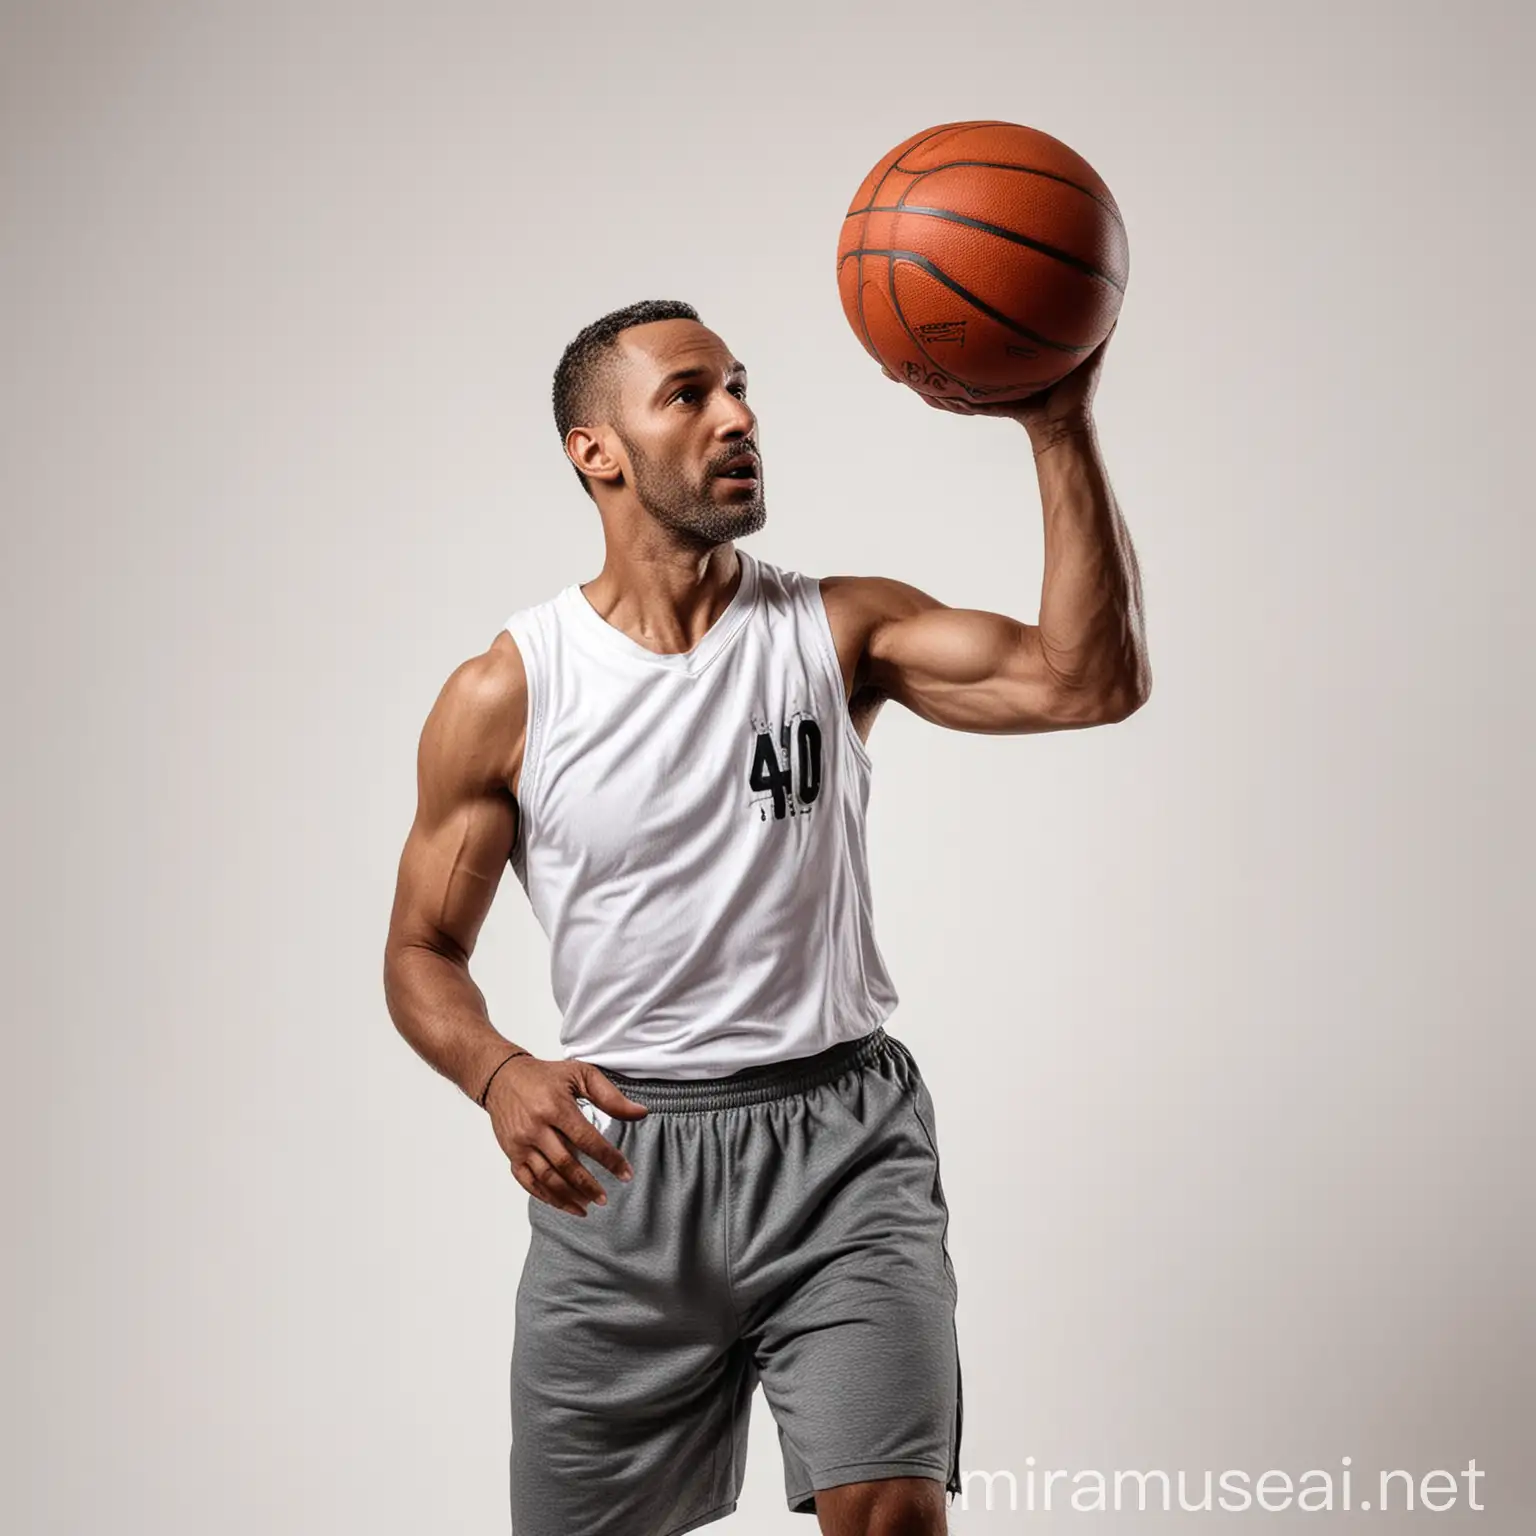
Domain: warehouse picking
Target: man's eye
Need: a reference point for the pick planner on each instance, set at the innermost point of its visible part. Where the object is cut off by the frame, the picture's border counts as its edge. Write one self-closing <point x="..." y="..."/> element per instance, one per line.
<point x="691" y="392"/>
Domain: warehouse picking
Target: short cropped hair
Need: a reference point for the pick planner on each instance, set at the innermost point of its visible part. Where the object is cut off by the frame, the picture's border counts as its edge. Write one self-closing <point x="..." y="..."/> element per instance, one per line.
<point x="585" y="375"/>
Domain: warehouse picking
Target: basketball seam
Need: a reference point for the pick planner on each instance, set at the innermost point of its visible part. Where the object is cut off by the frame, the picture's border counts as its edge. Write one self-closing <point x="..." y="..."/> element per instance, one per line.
<point x="1087" y="268"/>
<point x="934" y="271"/>
<point x="1025" y="170"/>
<point x="869" y="341"/>
<point x="934" y="133"/>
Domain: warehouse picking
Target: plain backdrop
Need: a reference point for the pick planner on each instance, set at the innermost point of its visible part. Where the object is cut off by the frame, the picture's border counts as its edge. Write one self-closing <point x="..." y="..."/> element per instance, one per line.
<point x="1225" y="1010"/>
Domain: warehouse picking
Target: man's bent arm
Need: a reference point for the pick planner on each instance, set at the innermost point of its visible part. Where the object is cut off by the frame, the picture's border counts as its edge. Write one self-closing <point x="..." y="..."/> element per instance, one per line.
<point x="459" y="843"/>
<point x="440" y="1011"/>
<point x="1092" y="631"/>
<point x="1085" y="662"/>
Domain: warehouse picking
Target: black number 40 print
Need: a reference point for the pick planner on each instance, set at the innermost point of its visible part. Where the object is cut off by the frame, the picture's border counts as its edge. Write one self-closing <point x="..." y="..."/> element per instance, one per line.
<point x="802" y="777"/>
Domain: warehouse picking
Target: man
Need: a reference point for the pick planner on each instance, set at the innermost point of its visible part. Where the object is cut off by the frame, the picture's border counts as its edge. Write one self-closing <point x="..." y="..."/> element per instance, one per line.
<point x="672" y="758"/>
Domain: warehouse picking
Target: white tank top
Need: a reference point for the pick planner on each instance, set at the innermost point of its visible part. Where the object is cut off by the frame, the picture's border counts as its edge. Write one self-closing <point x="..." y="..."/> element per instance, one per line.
<point x="691" y="835"/>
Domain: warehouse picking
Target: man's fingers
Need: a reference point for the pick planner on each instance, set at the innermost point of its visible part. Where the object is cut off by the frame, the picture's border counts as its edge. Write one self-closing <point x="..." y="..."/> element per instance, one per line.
<point x="560" y="1156"/>
<point x="545" y="1183"/>
<point x="597" y="1089"/>
<point x="586" y="1137"/>
<point x="596" y="1086"/>
<point x="547" y="1188"/>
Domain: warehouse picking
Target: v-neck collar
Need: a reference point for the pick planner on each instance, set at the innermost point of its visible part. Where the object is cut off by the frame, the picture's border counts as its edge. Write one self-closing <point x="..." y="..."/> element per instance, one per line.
<point x="691" y="663"/>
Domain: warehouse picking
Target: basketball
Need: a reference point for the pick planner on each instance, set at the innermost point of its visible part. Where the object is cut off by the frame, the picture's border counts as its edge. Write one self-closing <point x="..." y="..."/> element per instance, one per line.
<point x="982" y="261"/>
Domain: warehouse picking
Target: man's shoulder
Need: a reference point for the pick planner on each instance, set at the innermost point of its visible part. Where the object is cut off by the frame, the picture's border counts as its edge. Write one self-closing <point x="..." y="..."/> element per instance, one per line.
<point x="856" y="601"/>
<point x="482" y="707"/>
<point x="492" y="681"/>
<point x="874" y="598"/>
<point x="787" y="578"/>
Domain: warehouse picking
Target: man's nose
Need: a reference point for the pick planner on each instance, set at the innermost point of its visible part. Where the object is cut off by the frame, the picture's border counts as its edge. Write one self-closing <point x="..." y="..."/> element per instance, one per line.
<point x="738" y="420"/>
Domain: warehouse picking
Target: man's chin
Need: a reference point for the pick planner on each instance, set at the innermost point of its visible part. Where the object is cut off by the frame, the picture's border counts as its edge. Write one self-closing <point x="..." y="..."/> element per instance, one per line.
<point x="751" y="520"/>
<point x="715" y="521"/>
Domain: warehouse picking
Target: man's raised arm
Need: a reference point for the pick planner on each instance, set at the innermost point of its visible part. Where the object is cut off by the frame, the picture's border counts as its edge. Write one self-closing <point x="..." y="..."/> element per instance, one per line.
<point x="1085" y="663"/>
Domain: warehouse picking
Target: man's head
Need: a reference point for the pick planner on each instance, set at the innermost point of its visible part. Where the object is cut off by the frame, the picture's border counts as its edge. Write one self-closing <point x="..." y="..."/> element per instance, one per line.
<point x="651" y="400"/>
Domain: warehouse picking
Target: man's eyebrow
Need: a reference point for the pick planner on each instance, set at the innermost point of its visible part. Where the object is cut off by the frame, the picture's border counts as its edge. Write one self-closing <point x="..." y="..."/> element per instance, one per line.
<point x="699" y="371"/>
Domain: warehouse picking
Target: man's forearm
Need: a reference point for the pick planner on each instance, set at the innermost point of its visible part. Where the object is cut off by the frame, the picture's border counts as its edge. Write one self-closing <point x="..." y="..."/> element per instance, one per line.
<point x="441" y="1013"/>
<point x="1091" y="617"/>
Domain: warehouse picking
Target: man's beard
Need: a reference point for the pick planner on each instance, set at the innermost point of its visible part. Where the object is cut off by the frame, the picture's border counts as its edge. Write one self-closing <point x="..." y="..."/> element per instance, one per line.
<point x="687" y="509"/>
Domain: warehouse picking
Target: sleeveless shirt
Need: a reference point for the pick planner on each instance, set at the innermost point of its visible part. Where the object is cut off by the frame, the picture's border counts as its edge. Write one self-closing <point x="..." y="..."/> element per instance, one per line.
<point x="691" y="835"/>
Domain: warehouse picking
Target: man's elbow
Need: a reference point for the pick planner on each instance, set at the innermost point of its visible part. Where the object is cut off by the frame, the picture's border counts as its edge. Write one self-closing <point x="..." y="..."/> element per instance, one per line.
<point x="403" y="955"/>
<point x="1108" y="705"/>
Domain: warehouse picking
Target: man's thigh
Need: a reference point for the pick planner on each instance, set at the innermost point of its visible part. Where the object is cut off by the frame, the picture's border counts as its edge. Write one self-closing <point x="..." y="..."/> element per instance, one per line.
<point x="863" y="1378"/>
<point x="630" y="1390"/>
<point x="849" y="1291"/>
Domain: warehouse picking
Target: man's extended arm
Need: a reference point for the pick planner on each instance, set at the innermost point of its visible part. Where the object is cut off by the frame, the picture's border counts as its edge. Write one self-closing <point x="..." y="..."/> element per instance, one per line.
<point x="1085" y="662"/>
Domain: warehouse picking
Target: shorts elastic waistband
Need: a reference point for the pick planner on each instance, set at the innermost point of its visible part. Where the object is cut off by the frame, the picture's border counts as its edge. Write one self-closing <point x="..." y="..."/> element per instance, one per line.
<point x="753" y="1085"/>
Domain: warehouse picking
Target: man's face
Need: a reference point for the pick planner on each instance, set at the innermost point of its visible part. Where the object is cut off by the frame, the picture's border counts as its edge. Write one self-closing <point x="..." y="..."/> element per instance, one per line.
<point x="682" y="416"/>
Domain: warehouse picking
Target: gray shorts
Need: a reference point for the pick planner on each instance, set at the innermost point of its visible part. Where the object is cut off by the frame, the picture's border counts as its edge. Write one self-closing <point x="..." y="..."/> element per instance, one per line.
<point x="786" y="1225"/>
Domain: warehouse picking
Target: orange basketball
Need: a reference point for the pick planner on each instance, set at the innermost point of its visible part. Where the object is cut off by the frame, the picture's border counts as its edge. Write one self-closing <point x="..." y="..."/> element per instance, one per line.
<point x="982" y="261"/>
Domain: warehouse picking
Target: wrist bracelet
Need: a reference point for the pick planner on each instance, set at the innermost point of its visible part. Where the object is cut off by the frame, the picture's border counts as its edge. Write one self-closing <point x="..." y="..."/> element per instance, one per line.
<point x="492" y="1078"/>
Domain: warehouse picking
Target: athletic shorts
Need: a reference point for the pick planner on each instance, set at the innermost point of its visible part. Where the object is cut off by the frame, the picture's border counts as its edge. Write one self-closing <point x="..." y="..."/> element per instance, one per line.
<point x="785" y="1225"/>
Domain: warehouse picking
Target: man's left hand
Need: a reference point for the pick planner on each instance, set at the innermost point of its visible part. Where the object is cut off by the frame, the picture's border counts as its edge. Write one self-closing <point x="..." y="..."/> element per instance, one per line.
<point x="1065" y="407"/>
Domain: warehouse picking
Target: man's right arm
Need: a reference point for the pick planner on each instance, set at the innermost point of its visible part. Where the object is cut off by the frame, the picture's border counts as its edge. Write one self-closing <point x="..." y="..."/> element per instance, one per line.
<point x="468" y="767"/>
<point x="458" y="847"/>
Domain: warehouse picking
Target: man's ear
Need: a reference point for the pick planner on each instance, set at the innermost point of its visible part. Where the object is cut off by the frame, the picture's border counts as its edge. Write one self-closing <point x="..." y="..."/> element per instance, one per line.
<point x="589" y="451"/>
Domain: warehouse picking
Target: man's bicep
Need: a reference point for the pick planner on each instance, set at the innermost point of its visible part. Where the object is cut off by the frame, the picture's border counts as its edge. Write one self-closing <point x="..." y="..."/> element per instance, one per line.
<point x="466" y="818"/>
<point x="450" y="870"/>
<point x="963" y="668"/>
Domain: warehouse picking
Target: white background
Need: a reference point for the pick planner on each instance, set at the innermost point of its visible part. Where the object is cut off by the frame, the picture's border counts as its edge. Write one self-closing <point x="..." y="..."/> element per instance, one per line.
<point x="1225" y="1009"/>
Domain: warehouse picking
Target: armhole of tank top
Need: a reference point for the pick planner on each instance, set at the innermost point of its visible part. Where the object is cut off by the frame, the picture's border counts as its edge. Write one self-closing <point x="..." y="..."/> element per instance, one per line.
<point x="519" y="626"/>
<point x="811" y="585"/>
